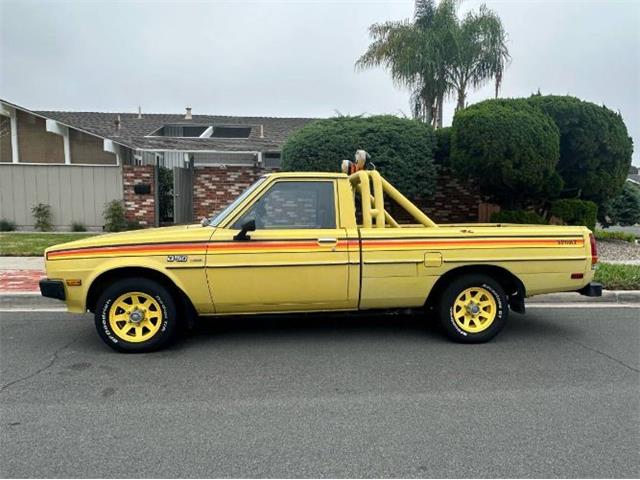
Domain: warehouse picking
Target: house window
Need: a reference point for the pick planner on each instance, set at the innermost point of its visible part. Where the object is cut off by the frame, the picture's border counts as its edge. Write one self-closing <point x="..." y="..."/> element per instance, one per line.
<point x="272" y="159"/>
<point x="231" y="132"/>
<point x="193" y="131"/>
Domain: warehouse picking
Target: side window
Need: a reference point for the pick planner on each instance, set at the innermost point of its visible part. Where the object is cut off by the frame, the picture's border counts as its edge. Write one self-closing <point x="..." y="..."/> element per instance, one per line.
<point x="293" y="205"/>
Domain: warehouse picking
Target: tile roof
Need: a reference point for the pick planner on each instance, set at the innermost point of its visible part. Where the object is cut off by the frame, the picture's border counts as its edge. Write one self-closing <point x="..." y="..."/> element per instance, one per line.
<point x="134" y="131"/>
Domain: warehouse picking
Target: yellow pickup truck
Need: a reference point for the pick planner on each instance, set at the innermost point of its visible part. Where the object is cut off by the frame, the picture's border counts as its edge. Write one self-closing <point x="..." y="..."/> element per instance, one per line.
<point x="315" y="242"/>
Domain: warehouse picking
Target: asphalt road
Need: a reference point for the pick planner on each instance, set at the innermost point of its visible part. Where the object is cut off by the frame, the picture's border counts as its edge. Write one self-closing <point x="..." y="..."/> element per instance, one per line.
<point x="557" y="394"/>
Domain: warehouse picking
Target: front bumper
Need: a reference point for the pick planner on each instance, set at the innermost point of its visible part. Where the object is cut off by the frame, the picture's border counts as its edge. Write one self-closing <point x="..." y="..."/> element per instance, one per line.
<point x="592" y="289"/>
<point x="52" y="289"/>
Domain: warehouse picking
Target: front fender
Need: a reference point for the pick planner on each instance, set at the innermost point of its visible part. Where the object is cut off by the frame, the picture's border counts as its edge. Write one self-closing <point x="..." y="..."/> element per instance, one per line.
<point x="190" y="279"/>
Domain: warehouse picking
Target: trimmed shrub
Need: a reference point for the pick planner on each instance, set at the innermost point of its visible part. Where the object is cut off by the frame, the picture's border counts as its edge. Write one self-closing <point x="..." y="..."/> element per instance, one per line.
<point x="615" y="235"/>
<point x="442" y="152"/>
<point x="509" y="149"/>
<point x="43" y="218"/>
<point x="78" y="227"/>
<point x="624" y="209"/>
<point x="595" y="147"/>
<point x="7" y="225"/>
<point x="114" y="216"/>
<point x="573" y="211"/>
<point x="400" y="148"/>
<point x="517" y="216"/>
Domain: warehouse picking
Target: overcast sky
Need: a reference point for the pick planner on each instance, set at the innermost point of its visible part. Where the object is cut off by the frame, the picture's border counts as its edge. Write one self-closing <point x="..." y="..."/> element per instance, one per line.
<point x="291" y="58"/>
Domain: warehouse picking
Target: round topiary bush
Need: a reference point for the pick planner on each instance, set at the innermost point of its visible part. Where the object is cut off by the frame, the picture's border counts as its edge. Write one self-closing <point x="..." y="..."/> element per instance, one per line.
<point x="574" y="211"/>
<point x="400" y="148"/>
<point x="595" y="147"/>
<point x="509" y="149"/>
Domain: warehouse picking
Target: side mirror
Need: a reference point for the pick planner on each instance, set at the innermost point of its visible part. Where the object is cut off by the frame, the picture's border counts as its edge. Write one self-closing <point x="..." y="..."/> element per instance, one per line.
<point x="242" y="236"/>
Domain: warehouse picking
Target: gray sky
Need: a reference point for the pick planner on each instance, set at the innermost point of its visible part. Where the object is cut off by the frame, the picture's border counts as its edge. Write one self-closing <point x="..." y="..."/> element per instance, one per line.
<point x="291" y="58"/>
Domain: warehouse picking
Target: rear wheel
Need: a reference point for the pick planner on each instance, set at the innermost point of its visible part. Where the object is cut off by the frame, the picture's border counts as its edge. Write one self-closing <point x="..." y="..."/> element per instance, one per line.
<point x="473" y="308"/>
<point x="136" y="315"/>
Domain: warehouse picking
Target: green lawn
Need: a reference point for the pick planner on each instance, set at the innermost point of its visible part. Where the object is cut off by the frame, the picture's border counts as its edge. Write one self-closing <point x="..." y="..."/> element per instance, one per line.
<point x="618" y="277"/>
<point x="33" y="244"/>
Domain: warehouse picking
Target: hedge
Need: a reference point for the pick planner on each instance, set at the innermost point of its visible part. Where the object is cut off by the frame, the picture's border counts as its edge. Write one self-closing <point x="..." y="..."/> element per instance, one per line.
<point x="573" y="211"/>
<point x="509" y="149"/>
<point x="400" y="148"/>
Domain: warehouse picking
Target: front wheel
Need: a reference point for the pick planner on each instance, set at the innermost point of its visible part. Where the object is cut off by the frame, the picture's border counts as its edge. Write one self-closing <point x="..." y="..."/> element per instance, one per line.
<point x="473" y="309"/>
<point x="136" y="315"/>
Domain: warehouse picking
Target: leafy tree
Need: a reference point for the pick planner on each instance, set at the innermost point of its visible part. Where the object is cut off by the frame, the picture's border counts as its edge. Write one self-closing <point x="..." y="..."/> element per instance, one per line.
<point x="437" y="54"/>
<point x="624" y="209"/>
<point x="509" y="149"/>
<point x="400" y="148"/>
<point x="595" y="148"/>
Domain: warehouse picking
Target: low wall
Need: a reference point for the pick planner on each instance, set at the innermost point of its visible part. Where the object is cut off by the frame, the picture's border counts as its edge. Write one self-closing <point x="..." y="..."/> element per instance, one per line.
<point x="139" y="208"/>
<point x="215" y="187"/>
<point x="76" y="193"/>
<point x="453" y="201"/>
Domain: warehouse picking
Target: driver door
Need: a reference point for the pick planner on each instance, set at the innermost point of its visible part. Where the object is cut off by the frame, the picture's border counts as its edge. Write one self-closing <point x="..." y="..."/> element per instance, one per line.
<point x="297" y="258"/>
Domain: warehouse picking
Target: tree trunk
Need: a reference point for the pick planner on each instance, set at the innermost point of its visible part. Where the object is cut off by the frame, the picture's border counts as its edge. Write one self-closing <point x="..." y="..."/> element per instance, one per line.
<point x="440" y="108"/>
<point x="428" y="112"/>
<point x="462" y="98"/>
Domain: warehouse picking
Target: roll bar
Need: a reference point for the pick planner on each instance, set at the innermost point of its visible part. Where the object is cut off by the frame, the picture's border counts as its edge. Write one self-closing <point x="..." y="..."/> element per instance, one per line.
<point x="373" y="211"/>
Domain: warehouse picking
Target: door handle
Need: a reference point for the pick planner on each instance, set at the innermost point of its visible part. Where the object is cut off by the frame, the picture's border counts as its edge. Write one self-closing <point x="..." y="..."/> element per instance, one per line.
<point x="327" y="241"/>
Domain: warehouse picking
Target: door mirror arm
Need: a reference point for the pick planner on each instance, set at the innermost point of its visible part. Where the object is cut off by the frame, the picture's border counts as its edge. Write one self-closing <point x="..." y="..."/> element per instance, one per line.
<point x="242" y="236"/>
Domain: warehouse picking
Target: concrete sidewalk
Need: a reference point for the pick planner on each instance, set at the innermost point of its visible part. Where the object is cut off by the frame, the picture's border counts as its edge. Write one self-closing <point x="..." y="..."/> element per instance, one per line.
<point x="20" y="274"/>
<point x="21" y="263"/>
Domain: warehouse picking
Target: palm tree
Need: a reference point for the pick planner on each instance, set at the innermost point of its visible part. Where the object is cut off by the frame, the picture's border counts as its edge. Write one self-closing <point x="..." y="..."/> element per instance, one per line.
<point x="479" y="53"/>
<point x="437" y="55"/>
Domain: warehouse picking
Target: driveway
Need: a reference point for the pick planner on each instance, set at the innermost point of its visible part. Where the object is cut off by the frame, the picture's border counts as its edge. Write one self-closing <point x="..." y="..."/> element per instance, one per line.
<point x="557" y="394"/>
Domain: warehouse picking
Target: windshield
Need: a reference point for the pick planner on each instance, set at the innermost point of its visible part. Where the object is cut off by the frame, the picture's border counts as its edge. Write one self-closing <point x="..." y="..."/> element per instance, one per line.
<point x="215" y="221"/>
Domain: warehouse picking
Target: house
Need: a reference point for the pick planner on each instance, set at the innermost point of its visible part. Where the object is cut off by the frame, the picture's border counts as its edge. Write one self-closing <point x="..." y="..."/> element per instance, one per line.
<point x="78" y="161"/>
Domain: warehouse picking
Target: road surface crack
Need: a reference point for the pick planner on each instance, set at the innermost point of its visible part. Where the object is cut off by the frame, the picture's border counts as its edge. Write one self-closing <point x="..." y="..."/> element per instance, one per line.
<point x="54" y="359"/>
<point x="593" y="349"/>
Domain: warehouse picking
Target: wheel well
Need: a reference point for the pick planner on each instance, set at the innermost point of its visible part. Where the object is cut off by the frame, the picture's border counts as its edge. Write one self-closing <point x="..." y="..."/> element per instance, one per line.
<point x="183" y="303"/>
<point x="512" y="285"/>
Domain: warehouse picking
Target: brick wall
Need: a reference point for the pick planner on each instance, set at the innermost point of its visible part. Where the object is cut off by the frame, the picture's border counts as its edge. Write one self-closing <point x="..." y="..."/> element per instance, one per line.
<point x="453" y="201"/>
<point x="139" y="208"/>
<point x="215" y="187"/>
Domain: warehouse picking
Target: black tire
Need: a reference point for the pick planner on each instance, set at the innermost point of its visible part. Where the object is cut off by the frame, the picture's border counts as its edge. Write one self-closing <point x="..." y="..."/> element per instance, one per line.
<point x="167" y="322"/>
<point x="447" y="308"/>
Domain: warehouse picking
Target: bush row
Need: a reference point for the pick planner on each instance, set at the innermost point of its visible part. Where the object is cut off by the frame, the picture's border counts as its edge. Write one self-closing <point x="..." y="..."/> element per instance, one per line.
<point x="114" y="215"/>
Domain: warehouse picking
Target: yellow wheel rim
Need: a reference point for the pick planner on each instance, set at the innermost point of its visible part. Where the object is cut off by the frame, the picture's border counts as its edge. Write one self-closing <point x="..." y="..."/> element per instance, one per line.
<point x="135" y="317"/>
<point x="474" y="310"/>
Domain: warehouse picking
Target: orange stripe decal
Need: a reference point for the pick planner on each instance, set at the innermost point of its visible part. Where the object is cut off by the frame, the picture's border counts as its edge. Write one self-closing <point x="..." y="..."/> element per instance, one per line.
<point x="202" y="248"/>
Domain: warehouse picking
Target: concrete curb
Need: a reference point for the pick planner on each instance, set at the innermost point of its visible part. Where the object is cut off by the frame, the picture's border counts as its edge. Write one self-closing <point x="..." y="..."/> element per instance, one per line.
<point x="35" y="300"/>
<point x="608" y="296"/>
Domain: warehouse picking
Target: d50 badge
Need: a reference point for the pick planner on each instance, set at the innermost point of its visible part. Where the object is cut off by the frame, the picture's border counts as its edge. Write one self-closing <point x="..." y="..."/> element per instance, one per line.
<point x="177" y="258"/>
